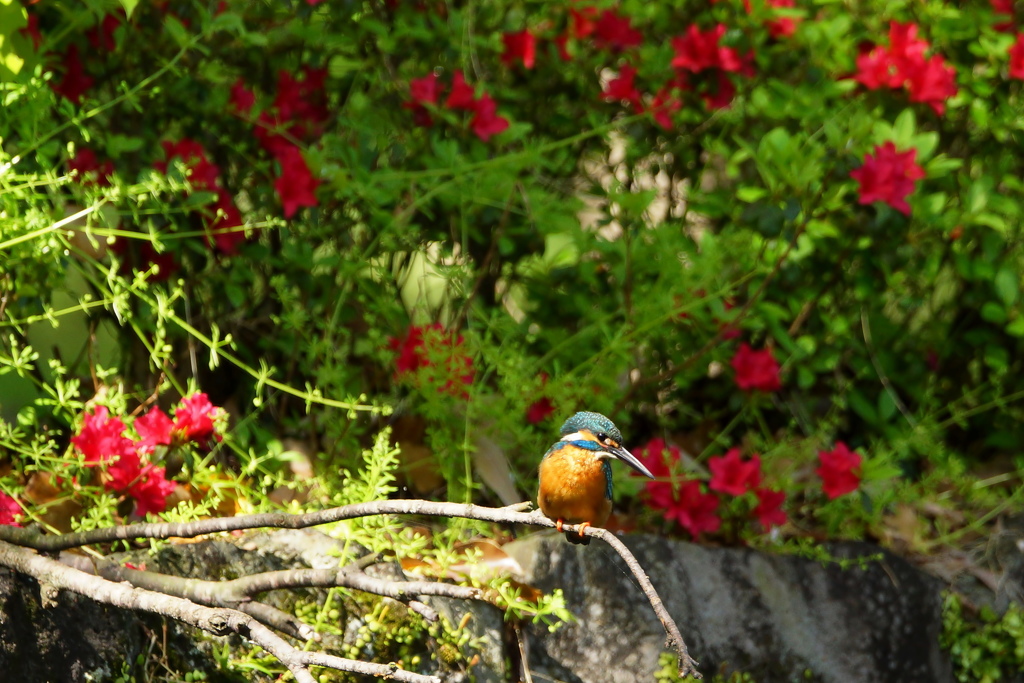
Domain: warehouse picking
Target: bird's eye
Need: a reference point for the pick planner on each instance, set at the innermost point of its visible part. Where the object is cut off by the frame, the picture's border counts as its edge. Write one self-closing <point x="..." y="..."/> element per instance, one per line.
<point x="603" y="438"/>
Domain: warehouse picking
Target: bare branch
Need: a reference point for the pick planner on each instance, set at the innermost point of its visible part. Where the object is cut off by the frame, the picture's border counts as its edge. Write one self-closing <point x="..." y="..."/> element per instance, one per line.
<point x="687" y="665"/>
<point x="54" y="576"/>
<point x="33" y="538"/>
<point x="507" y="515"/>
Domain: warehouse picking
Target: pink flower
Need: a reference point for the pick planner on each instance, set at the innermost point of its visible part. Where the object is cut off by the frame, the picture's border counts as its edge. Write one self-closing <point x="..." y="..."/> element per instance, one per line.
<point x="10" y="510"/>
<point x="729" y="474"/>
<point x="723" y="91"/>
<point x="194" y="418"/>
<point x="296" y="185"/>
<point x="756" y="370"/>
<point x="1017" y="58"/>
<point x="839" y="471"/>
<point x="521" y="46"/>
<point x="695" y="510"/>
<point x="888" y="177"/>
<point x="486" y="122"/>
<point x="154" y="428"/>
<point x="769" y="511"/>
<point x="621" y="89"/>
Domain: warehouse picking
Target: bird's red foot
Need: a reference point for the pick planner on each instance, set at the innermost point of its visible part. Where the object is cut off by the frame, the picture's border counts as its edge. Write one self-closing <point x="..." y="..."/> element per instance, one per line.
<point x="558" y="525"/>
<point x="583" y="526"/>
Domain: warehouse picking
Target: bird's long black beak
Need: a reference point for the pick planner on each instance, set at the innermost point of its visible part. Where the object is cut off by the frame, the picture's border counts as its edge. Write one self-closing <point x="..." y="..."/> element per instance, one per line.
<point x="631" y="460"/>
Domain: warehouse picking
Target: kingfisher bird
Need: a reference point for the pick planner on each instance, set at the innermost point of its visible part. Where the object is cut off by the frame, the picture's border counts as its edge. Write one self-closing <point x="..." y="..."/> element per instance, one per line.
<point x="576" y="473"/>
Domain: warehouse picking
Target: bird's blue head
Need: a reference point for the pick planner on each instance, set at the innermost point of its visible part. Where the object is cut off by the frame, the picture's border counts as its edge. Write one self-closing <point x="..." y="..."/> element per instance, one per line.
<point x="595" y="427"/>
<point x="595" y="423"/>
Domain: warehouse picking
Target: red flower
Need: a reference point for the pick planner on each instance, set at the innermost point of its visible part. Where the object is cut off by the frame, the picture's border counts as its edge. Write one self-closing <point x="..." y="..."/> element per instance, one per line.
<point x="224" y="225"/>
<point x="839" y="471"/>
<point x="729" y="474"/>
<point x="435" y="352"/>
<point x="194" y="418"/>
<point x="998" y="7"/>
<point x="723" y="92"/>
<point x="663" y="106"/>
<point x="699" y="50"/>
<point x="122" y="472"/>
<point x="201" y="173"/>
<point x="101" y="36"/>
<point x="695" y="510"/>
<point x="875" y="70"/>
<point x="621" y="88"/>
<point x="150" y="490"/>
<point x="462" y="95"/>
<point x="888" y="177"/>
<point x="1017" y="58"/>
<point x="74" y="83"/>
<point x="906" y="50"/>
<point x="301" y="101"/>
<point x="932" y="82"/>
<point x="540" y="410"/>
<point x="10" y="510"/>
<point x="296" y="185"/>
<point x="486" y="122"/>
<point x="658" y="457"/>
<point x="521" y="45"/>
<point x="583" y="21"/>
<point x="783" y="27"/>
<point x="31" y="31"/>
<point x="903" y="63"/>
<point x="769" y="511"/>
<point x="756" y="370"/>
<point x="613" y="31"/>
<point x="423" y="90"/>
<point x="89" y="171"/>
<point x="154" y="428"/>
<point x="242" y="99"/>
<point x="562" y="44"/>
<point x="102" y="438"/>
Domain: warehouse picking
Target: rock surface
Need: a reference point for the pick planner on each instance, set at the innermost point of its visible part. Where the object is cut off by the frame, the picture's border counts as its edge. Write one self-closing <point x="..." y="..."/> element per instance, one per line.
<point x="777" y="617"/>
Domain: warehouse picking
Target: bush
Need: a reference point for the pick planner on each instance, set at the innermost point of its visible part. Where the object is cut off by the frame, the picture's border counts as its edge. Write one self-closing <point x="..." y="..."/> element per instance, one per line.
<point x="784" y="227"/>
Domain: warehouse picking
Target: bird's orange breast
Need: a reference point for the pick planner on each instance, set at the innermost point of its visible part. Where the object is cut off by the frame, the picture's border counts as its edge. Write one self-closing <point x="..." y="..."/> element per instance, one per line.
<point x="573" y="487"/>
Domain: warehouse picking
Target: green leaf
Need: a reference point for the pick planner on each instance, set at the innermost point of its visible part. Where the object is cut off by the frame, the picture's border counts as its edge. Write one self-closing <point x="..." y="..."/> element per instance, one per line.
<point x="129" y="7"/>
<point x="751" y="193"/>
<point x="1016" y="327"/>
<point x="1007" y="285"/>
<point x="993" y="313"/>
<point x="903" y="129"/>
